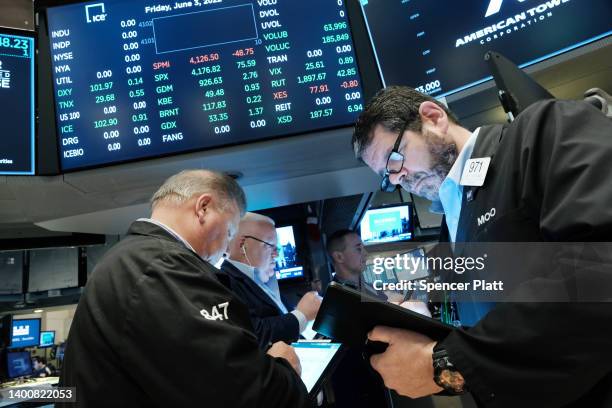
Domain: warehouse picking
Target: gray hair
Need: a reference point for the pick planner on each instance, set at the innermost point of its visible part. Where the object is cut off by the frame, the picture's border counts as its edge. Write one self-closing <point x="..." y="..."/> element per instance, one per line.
<point x="182" y="186"/>
<point x="254" y="217"/>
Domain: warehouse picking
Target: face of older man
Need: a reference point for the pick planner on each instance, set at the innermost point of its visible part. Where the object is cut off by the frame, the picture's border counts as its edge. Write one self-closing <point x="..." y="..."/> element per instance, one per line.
<point x="262" y="249"/>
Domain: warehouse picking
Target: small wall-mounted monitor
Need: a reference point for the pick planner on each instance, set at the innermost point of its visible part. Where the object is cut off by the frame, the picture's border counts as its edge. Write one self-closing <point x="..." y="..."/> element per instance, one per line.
<point x="17" y="112"/>
<point x="19" y="364"/>
<point x="25" y="333"/>
<point x="47" y="338"/>
<point x="387" y="224"/>
<point x="287" y="263"/>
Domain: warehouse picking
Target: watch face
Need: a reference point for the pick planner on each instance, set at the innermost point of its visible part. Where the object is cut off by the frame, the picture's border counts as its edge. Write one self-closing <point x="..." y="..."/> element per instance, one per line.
<point x="452" y="381"/>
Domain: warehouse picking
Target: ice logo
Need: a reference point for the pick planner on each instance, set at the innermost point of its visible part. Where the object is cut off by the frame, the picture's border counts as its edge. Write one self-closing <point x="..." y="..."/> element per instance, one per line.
<point x="95" y="13"/>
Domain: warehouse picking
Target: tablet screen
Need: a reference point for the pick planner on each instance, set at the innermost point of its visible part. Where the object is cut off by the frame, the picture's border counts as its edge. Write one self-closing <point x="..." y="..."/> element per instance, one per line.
<point x="314" y="358"/>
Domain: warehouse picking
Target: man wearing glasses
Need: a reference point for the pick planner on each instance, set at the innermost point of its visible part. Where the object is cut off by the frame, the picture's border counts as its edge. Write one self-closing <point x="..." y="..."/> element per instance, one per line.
<point x="541" y="181"/>
<point x="250" y="267"/>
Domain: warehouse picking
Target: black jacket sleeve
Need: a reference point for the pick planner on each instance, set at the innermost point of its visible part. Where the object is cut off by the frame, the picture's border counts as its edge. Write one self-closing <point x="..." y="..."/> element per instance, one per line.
<point x="550" y="354"/>
<point x="205" y="356"/>
<point x="275" y="328"/>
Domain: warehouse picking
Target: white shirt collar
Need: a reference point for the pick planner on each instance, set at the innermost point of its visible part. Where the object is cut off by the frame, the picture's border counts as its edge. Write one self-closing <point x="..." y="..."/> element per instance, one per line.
<point x="457" y="170"/>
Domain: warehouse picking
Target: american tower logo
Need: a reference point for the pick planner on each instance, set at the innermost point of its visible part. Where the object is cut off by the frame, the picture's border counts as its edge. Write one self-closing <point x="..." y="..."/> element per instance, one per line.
<point x="526" y="18"/>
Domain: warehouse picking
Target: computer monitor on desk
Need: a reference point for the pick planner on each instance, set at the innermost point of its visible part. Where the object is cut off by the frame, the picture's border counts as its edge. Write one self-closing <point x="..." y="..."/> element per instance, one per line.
<point x="19" y="364"/>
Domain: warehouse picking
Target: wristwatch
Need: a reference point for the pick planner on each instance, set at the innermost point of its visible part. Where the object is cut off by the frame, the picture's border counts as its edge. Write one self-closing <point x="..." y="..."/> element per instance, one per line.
<point x="445" y="373"/>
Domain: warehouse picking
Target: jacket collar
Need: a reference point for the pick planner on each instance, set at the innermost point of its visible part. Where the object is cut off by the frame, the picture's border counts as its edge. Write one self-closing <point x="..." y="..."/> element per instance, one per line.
<point x="236" y="273"/>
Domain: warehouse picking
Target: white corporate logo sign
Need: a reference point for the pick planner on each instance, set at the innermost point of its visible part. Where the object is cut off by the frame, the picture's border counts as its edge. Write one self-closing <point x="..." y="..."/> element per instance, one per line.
<point x="21" y="330"/>
<point x="495" y="6"/>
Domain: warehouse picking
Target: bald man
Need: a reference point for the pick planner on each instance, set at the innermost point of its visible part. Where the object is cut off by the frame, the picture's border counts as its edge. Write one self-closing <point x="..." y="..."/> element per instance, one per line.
<point x="250" y="267"/>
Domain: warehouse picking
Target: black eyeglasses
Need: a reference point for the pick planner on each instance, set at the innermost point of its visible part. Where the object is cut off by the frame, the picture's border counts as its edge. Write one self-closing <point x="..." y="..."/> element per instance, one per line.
<point x="262" y="241"/>
<point x="395" y="163"/>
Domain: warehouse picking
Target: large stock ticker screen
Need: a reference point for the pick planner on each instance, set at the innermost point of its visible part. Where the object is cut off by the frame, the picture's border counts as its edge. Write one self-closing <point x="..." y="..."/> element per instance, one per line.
<point x="139" y="79"/>
<point x="439" y="47"/>
<point x="17" y="112"/>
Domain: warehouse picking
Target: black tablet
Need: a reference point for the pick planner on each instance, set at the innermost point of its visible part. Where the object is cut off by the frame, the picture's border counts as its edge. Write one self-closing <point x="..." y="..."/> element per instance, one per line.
<point x="347" y="315"/>
<point x="318" y="360"/>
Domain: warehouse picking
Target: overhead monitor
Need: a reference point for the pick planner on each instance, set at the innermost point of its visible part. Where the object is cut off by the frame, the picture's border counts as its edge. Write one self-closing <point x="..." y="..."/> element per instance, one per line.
<point x="387" y="224"/>
<point x="11" y="272"/>
<point x="47" y="338"/>
<point x="141" y="79"/>
<point x="19" y="364"/>
<point x="53" y="268"/>
<point x="438" y="48"/>
<point x="25" y="333"/>
<point x="287" y="263"/>
<point x="17" y="111"/>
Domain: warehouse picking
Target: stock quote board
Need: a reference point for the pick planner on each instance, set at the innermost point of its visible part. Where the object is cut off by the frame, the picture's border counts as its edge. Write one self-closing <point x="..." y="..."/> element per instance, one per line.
<point x="145" y="79"/>
<point x="439" y="48"/>
<point x="17" y="112"/>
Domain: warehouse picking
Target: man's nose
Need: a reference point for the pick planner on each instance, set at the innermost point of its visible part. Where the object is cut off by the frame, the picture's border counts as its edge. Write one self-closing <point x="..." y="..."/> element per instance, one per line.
<point x="396" y="178"/>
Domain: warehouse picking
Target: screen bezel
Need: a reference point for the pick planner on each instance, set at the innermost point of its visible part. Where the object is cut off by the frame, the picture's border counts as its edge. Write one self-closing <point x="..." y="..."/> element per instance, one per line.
<point x="34" y="66"/>
<point x="366" y="66"/>
<point x="13" y="347"/>
<point x="40" y="345"/>
<point x="410" y="213"/>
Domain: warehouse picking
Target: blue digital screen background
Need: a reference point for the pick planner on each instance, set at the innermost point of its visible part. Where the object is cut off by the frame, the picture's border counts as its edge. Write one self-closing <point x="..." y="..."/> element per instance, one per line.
<point x="17" y="112"/>
<point x="139" y="79"/>
<point x="19" y="364"/>
<point x="423" y="44"/>
<point x="25" y="333"/>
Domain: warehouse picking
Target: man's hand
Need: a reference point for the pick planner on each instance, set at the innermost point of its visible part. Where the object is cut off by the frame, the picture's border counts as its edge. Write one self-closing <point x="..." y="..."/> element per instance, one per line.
<point x="309" y="305"/>
<point x="282" y="350"/>
<point x="407" y="365"/>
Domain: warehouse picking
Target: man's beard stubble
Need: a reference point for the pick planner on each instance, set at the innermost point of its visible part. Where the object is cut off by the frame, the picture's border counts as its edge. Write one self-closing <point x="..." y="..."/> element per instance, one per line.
<point x="443" y="156"/>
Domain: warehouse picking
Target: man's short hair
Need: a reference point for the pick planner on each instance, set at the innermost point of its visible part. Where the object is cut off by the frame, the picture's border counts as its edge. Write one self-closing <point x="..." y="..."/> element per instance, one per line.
<point x="254" y="217"/>
<point x="182" y="186"/>
<point x="41" y="360"/>
<point x="336" y="241"/>
<point x="393" y="108"/>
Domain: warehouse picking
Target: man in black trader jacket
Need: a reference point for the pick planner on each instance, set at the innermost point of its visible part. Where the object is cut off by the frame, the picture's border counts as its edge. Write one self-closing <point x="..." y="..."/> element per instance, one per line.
<point x="160" y="328"/>
<point x="548" y="181"/>
<point x="250" y="268"/>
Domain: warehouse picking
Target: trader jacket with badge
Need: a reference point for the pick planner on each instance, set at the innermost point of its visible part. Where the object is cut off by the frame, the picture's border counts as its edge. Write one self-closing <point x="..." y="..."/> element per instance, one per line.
<point x="155" y="327"/>
<point x="549" y="183"/>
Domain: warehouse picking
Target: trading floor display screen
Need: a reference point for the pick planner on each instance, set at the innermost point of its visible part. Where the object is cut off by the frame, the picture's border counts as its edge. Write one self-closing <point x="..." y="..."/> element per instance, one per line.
<point x="439" y="47"/>
<point x="17" y="111"/>
<point x="138" y="79"/>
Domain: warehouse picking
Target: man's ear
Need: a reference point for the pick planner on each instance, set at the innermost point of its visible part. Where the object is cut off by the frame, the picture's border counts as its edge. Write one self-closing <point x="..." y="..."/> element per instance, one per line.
<point x="338" y="257"/>
<point x="203" y="205"/>
<point x="433" y="115"/>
